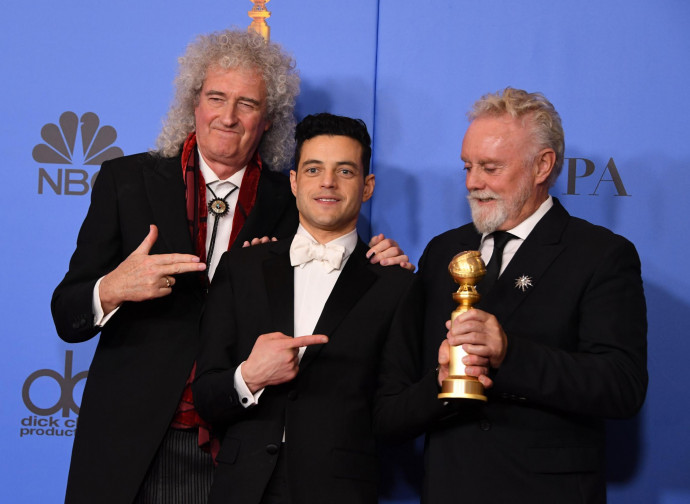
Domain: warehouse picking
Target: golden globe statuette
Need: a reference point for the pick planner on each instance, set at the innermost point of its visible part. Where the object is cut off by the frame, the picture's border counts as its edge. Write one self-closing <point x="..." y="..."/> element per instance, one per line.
<point x="466" y="268"/>
<point x="259" y="15"/>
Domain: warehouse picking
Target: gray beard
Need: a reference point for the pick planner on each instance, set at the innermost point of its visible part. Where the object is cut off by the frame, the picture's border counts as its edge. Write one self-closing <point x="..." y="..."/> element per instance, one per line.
<point x="489" y="220"/>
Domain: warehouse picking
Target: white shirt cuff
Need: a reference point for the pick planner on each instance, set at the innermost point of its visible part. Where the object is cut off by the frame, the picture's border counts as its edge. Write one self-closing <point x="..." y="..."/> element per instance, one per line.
<point x="247" y="399"/>
<point x="99" y="319"/>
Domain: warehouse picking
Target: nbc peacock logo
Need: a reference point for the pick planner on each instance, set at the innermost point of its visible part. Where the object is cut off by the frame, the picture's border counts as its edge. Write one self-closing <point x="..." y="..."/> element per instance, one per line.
<point x="61" y="148"/>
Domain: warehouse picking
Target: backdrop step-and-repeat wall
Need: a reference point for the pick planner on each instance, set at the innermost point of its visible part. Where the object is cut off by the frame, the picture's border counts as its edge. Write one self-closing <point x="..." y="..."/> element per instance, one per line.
<point x="84" y="81"/>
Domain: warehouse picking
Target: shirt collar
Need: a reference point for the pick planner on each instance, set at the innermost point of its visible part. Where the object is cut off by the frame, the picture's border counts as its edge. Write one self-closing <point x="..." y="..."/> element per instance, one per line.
<point x="210" y="176"/>
<point x="523" y="229"/>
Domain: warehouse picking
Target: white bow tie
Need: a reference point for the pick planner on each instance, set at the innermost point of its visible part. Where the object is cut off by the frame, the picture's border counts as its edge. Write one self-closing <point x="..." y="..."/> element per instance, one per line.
<point x="304" y="250"/>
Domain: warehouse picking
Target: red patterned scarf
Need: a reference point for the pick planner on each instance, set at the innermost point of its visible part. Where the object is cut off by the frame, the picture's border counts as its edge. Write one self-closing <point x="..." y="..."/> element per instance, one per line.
<point x="197" y="214"/>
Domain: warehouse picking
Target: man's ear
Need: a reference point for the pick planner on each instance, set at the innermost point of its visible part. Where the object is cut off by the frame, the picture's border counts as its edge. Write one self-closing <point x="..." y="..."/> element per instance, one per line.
<point x="544" y="163"/>
<point x="293" y="182"/>
<point x="369" y="183"/>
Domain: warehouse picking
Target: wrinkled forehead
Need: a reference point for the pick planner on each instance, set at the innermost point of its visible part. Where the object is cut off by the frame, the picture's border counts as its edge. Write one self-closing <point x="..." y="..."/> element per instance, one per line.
<point x="247" y="72"/>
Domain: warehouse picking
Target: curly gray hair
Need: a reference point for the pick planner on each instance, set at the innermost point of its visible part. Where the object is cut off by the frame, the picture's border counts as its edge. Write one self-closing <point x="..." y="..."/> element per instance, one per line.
<point x="534" y="107"/>
<point x="236" y="49"/>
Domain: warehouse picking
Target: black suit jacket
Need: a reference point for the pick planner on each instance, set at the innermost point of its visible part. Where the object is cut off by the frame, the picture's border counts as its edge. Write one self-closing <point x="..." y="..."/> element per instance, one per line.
<point x="146" y="351"/>
<point x="327" y="410"/>
<point x="576" y="355"/>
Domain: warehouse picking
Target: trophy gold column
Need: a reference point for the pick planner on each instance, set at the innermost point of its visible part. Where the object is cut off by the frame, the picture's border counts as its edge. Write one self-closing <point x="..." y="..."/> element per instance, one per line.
<point x="466" y="268"/>
<point x="259" y="15"/>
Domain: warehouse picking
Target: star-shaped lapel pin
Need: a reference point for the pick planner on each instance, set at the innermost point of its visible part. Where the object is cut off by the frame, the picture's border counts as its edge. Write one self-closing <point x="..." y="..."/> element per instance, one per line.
<point x="523" y="283"/>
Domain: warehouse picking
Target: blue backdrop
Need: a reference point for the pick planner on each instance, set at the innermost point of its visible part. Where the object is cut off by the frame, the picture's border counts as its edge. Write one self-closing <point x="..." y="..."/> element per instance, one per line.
<point x="616" y="70"/>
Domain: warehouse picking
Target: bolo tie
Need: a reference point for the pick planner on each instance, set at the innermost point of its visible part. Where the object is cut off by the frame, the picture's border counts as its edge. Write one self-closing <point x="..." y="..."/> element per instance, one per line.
<point x="218" y="207"/>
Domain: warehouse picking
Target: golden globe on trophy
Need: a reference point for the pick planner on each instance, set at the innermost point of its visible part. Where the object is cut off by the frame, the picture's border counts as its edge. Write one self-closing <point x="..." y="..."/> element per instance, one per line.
<point x="467" y="269"/>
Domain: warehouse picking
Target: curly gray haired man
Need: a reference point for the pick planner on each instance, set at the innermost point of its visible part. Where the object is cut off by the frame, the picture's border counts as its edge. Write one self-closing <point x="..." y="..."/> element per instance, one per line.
<point x="156" y="228"/>
<point x="228" y="51"/>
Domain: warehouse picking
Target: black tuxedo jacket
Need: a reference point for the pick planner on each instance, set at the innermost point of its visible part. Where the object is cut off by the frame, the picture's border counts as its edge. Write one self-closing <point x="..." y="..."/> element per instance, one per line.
<point x="576" y="355"/>
<point x="146" y="351"/>
<point x="327" y="409"/>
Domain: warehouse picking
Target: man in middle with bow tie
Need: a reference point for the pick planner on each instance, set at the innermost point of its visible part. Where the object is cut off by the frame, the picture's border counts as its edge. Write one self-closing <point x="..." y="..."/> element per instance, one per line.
<point x="295" y="413"/>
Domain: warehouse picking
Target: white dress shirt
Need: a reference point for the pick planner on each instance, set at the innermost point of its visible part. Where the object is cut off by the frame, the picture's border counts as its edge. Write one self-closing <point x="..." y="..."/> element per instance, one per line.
<point x="521" y="231"/>
<point x="313" y="285"/>
<point x="221" y="188"/>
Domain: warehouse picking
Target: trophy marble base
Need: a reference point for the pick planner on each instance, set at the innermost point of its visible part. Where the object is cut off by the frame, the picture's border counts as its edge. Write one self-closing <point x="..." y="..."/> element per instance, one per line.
<point x="462" y="387"/>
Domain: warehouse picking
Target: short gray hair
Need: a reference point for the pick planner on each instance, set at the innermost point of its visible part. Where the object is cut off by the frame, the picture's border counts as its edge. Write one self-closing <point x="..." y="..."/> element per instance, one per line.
<point x="533" y="107"/>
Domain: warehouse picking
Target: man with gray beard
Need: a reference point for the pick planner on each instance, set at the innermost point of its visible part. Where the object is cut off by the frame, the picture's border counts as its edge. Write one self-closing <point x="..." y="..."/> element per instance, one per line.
<point x="563" y="329"/>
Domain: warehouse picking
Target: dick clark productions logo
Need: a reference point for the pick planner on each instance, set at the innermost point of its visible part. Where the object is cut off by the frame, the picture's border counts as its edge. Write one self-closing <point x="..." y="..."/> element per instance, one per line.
<point x="60" y="148"/>
<point x="44" y="421"/>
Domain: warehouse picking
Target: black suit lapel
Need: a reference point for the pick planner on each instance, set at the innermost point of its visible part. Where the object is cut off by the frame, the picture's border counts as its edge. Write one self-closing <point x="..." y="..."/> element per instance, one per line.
<point x="533" y="258"/>
<point x="353" y="282"/>
<point x="166" y="192"/>
<point x="279" y="281"/>
<point x="471" y="241"/>
<point x="468" y="239"/>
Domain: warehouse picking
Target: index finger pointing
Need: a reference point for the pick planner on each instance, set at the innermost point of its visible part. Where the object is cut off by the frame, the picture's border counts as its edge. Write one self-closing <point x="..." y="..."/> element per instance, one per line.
<point x="173" y="264"/>
<point x="311" y="339"/>
<point x="186" y="267"/>
<point x="176" y="258"/>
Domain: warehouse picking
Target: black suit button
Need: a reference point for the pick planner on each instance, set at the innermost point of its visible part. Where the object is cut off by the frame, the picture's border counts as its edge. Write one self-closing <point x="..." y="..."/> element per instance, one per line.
<point x="271" y="449"/>
<point x="485" y="425"/>
<point x="292" y="395"/>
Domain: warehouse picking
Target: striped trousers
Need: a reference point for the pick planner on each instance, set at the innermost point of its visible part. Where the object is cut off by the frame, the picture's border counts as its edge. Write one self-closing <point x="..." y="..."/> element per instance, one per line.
<point x="181" y="473"/>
